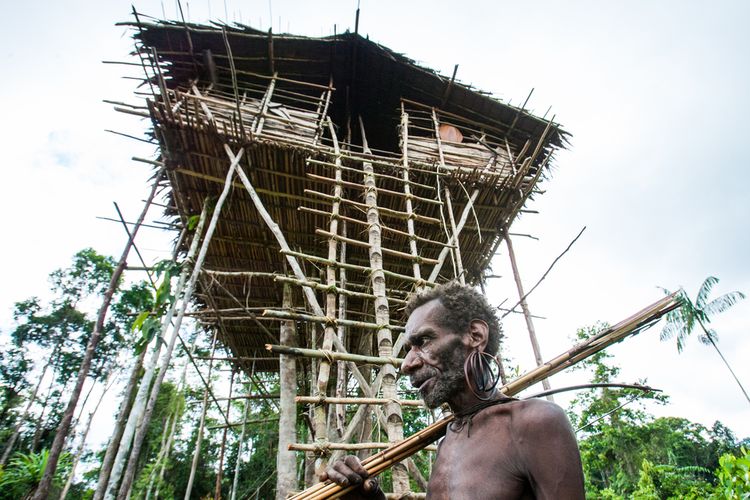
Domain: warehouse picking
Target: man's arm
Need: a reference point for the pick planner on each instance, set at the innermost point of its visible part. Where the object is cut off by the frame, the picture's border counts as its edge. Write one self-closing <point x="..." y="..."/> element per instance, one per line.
<point x="548" y="449"/>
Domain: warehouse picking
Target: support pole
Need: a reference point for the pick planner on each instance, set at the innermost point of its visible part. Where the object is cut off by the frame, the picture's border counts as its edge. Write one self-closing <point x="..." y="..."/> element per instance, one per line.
<point x="185" y="302"/>
<point x="202" y="423"/>
<point x="220" y="469"/>
<point x="62" y="431"/>
<point x="525" y="308"/>
<point x="394" y="427"/>
<point x="286" y="461"/>
<point x="240" y="443"/>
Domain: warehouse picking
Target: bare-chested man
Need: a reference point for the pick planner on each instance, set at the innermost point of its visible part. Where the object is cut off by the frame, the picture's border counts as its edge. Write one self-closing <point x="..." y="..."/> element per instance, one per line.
<point x="498" y="447"/>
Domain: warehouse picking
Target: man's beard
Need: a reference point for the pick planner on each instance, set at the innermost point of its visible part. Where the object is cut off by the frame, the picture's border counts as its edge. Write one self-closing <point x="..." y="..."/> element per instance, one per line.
<point x="450" y="381"/>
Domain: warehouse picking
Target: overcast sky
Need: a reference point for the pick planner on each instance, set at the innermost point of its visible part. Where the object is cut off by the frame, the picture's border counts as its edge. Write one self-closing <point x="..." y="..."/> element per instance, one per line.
<point x="655" y="95"/>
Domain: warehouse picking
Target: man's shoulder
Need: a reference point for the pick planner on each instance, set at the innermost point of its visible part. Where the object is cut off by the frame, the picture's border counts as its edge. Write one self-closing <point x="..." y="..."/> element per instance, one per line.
<point x="532" y="413"/>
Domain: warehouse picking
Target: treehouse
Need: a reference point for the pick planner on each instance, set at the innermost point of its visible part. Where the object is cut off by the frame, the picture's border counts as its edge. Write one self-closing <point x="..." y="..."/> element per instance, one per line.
<point x="324" y="180"/>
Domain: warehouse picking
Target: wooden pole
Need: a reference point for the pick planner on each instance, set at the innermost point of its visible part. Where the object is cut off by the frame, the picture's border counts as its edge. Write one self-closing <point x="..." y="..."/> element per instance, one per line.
<point x="140" y="434"/>
<point x="286" y="462"/>
<point x="220" y="468"/>
<point x="454" y="240"/>
<point x="56" y="449"/>
<point x="456" y="246"/>
<point x="526" y="313"/>
<point x="394" y="429"/>
<point x="407" y="193"/>
<point x="240" y="443"/>
<point x="201" y="424"/>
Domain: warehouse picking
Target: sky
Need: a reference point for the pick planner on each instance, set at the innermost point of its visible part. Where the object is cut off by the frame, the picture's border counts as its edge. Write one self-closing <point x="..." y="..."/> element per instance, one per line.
<point x="653" y="93"/>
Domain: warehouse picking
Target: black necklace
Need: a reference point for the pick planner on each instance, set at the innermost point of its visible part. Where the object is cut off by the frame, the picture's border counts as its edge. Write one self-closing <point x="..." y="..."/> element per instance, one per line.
<point x="464" y="417"/>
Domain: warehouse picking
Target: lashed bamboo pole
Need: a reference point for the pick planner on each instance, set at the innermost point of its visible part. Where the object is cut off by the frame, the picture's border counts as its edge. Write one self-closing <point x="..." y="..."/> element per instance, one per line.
<point x="364" y="223"/>
<point x="356" y="401"/>
<point x="398" y="194"/>
<point x="386" y="458"/>
<point x="408" y="195"/>
<point x="454" y="240"/>
<point x="333" y="355"/>
<point x="320" y="412"/>
<point x="363" y="269"/>
<point x="456" y="246"/>
<point x="272" y="313"/>
<point x="339" y="410"/>
<point x="402" y="255"/>
<point x="386" y="211"/>
<point x="394" y="427"/>
<point x="339" y="290"/>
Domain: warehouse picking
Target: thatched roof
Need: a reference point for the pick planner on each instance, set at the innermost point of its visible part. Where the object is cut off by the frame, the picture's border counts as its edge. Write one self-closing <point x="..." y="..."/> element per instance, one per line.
<point x="274" y="105"/>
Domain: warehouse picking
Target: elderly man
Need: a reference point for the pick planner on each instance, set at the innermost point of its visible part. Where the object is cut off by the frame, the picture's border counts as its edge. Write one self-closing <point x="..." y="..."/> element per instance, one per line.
<point x="497" y="447"/>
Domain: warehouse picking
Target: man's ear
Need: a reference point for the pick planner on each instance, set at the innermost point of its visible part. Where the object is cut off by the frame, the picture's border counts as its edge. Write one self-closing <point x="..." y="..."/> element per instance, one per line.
<point x="479" y="334"/>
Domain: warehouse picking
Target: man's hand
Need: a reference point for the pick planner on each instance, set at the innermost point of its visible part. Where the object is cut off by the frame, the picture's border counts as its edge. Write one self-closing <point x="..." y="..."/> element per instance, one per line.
<point x="349" y="472"/>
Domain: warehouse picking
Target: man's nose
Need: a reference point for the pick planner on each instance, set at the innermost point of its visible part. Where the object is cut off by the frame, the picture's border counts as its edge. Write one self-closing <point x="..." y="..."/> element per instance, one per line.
<point x="411" y="362"/>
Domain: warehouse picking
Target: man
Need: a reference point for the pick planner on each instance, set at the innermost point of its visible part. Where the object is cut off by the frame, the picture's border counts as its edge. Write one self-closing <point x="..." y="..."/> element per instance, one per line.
<point x="498" y="447"/>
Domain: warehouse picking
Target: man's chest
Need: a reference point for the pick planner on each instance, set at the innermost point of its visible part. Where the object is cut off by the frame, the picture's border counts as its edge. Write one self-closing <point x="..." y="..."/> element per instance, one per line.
<point x="482" y="466"/>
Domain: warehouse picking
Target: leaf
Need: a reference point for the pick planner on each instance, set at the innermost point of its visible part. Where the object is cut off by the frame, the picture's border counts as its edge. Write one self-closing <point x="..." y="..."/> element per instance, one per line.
<point x="705" y="290"/>
<point x="138" y="323"/>
<point x="723" y="303"/>
<point x="193" y="221"/>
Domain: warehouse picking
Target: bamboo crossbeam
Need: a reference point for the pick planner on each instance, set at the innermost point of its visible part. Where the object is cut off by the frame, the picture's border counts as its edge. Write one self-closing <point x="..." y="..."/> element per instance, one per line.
<point x="357" y="401"/>
<point x="335" y="289"/>
<point x="376" y="174"/>
<point x="384" y="228"/>
<point x="354" y="267"/>
<point x="385" y="211"/>
<point x="323" y="178"/>
<point x="334" y="355"/>
<point x="396" y="253"/>
<point x="323" y="448"/>
<point x="379" y="462"/>
<point x="271" y="313"/>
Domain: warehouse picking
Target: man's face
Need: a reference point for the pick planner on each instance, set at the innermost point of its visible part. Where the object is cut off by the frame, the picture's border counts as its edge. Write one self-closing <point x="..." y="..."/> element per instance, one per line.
<point x="435" y="356"/>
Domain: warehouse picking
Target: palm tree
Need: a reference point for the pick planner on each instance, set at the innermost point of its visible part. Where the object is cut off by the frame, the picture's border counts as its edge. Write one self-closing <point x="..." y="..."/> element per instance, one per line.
<point x="682" y="321"/>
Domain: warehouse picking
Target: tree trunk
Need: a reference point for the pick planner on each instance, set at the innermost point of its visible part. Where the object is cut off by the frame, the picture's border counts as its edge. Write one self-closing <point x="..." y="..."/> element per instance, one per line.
<point x="725" y="361"/>
<point x="141" y="397"/>
<point x="199" y="438"/>
<point x="79" y="450"/>
<point x="42" y="491"/>
<point x="114" y="442"/>
<point x="17" y="429"/>
<point x="236" y="478"/>
<point x="286" y="461"/>
<point x="140" y="434"/>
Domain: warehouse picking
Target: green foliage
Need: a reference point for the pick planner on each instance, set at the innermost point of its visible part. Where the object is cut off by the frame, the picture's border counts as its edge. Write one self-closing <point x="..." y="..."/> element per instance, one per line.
<point x="148" y="322"/>
<point x="658" y="482"/>
<point x="24" y="472"/>
<point x="627" y="453"/>
<point x="733" y="476"/>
